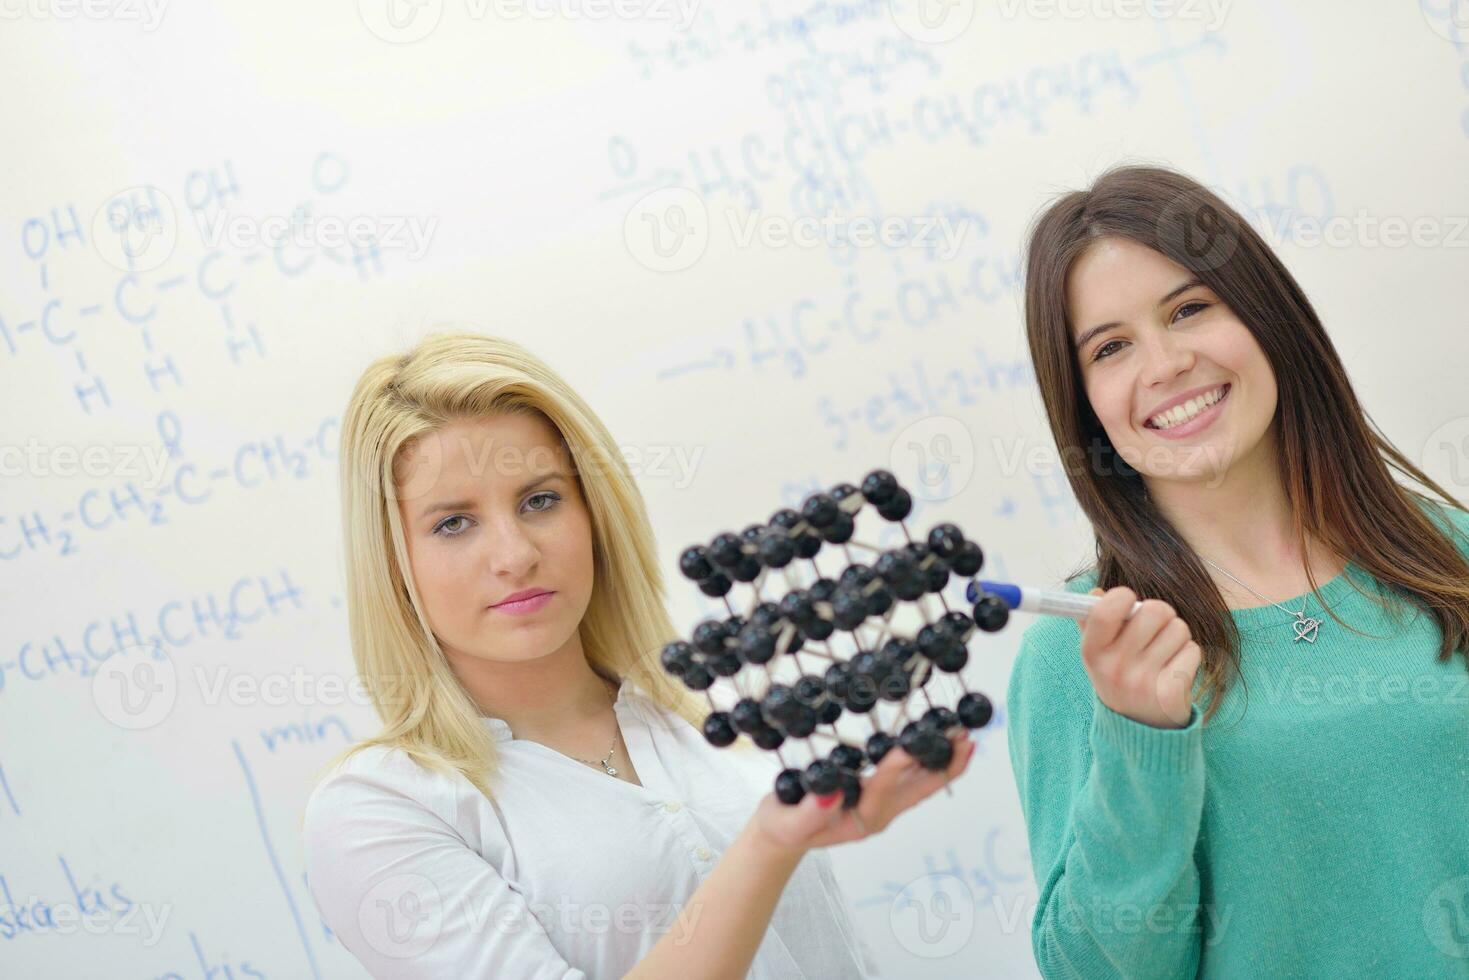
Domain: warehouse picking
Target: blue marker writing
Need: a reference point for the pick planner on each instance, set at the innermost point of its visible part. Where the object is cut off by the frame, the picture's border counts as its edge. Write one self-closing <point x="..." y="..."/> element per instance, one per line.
<point x="1027" y="599"/>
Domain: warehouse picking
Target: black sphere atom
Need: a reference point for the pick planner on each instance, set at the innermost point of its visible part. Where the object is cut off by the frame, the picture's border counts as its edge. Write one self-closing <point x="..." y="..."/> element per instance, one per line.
<point x="718" y="729"/>
<point x="788" y="787"/>
<point x="832" y="611"/>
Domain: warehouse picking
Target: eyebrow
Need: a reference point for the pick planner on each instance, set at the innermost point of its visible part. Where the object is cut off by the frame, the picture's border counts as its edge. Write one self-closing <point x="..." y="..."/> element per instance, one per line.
<point x="469" y="504"/>
<point x="1102" y="328"/>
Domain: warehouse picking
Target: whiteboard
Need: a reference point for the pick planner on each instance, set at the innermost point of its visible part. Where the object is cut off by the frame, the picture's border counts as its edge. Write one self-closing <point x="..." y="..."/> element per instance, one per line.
<point x="216" y="215"/>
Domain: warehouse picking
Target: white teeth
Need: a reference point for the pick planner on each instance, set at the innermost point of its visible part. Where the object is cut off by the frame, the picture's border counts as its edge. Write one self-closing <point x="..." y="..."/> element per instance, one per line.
<point x="1180" y="414"/>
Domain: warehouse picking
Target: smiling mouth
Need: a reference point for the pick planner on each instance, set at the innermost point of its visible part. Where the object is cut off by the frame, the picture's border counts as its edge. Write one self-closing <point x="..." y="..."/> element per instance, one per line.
<point x="1223" y="390"/>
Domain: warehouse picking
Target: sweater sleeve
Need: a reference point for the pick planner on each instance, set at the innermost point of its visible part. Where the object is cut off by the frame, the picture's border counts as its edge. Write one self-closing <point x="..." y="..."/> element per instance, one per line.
<point x="1112" y="809"/>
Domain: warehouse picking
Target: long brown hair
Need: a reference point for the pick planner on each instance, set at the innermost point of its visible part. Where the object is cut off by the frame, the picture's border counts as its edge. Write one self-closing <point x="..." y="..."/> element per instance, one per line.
<point x="1332" y="459"/>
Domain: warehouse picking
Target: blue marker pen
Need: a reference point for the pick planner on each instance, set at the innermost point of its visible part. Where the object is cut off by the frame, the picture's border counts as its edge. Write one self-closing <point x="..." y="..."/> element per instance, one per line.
<point x="1027" y="599"/>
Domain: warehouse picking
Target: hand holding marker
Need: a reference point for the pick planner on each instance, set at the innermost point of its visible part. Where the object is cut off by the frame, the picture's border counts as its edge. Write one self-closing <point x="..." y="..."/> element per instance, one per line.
<point x="1048" y="601"/>
<point x="1139" y="655"/>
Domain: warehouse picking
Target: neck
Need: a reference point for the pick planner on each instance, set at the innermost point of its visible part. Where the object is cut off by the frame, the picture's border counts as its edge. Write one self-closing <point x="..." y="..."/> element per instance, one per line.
<point x="1244" y="522"/>
<point x="539" y="699"/>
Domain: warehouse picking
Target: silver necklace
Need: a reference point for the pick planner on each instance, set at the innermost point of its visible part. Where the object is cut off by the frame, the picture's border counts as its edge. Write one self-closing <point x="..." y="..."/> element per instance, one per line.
<point x="1305" y="626"/>
<point x="605" y="761"/>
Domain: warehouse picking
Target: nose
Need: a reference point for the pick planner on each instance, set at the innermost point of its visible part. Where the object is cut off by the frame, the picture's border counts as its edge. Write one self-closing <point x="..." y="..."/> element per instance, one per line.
<point x="511" y="552"/>
<point x="1165" y="357"/>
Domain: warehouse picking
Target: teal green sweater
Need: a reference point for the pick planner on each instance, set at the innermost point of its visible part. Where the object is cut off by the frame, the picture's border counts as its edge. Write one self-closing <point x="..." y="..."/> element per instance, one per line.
<point x="1317" y="828"/>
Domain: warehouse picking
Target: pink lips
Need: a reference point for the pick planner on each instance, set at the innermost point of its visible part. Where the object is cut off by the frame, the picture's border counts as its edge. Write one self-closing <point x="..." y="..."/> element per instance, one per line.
<point x="1201" y="421"/>
<point x="519" y="607"/>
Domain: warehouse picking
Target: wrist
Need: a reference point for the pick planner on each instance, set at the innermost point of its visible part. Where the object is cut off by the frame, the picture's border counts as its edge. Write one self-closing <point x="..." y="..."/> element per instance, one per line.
<point x="773" y="854"/>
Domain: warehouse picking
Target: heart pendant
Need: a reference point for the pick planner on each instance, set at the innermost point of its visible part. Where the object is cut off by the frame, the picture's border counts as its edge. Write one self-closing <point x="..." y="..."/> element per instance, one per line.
<point x="1306" y="629"/>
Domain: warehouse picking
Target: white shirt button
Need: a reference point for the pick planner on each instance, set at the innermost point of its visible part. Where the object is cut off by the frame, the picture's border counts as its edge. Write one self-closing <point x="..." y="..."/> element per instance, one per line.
<point x="673" y="807"/>
<point x="702" y="853"/>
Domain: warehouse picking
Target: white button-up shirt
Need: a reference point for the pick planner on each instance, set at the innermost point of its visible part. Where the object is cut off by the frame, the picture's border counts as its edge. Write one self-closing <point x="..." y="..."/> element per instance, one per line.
<point x="569" y="873"/>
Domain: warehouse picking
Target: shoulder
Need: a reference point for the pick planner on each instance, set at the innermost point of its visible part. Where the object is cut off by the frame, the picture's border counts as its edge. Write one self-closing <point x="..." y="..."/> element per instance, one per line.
<point x="1452" y="521"/>
<point x="378" y="785"/>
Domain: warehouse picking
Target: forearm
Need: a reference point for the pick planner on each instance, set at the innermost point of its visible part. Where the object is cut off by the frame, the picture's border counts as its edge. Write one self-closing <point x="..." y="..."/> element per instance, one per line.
<point x="1124" y="900"/>
<point x="721" y="926"/>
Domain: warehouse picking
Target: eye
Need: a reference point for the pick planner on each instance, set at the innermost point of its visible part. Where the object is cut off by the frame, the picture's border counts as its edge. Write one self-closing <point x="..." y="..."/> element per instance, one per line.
<point x="1192" y="303"/>
<point x="441" y="528"/>
<point x="550" y="495"/>
<point x="1103" y="351"/>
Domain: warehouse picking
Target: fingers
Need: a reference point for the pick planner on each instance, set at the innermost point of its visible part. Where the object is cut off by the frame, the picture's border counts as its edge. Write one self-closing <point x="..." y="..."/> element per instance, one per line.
<point x="918" y="783"/>
<point x="1146" y="624"/>
<point x="897" y="784"/>
<point x="1182" y="669"/>
<point x="1106" y="619"/>
<point x="1167" y="644"/>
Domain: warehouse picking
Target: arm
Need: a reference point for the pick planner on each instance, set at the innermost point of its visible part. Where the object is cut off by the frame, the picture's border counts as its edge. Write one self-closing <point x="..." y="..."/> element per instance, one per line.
<point x="409" y="898"/>
<point x="729" y="914"/>
<point x="1112" y="810"/>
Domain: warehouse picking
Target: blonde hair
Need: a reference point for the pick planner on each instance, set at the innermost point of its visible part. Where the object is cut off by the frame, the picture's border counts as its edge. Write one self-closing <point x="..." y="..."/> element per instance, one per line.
<point x="424" y="709"/>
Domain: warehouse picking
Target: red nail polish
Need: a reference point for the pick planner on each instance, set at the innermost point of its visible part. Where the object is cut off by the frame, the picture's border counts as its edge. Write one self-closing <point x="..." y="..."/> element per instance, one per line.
<point x="826" y="801"/>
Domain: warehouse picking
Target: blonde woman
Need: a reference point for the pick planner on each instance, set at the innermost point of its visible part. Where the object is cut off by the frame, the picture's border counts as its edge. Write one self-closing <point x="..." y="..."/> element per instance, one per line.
<point x="541" y="802"/>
